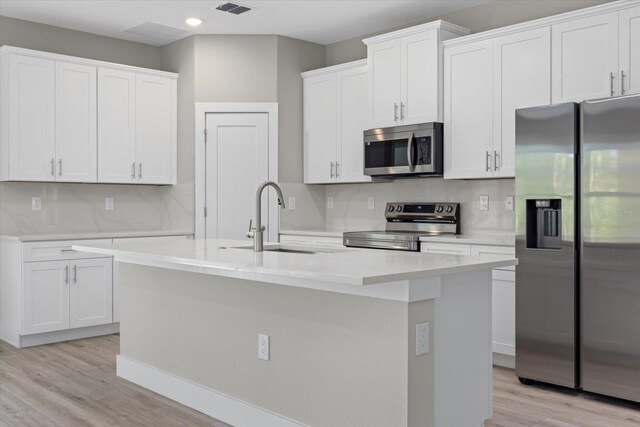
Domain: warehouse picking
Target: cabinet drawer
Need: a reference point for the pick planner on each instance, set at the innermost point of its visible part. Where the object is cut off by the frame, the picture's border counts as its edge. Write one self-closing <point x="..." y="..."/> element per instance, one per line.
<point x="504" y="276"/>
<point x="311" y="240"/>
<point x="58" y="250"/>
<point x="445" y="248"/>
<point x="478" y="250"/>
<point x="329" y="241"/>
<point x="148" y="239"/>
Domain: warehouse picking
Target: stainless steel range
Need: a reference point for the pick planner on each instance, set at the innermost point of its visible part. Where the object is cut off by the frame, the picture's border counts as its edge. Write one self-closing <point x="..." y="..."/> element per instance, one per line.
<point x="406" y="223"/>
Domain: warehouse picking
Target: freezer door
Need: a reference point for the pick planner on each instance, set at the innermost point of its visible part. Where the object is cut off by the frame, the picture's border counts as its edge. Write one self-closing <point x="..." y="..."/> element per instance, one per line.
<point x="610" y="255"/>
<point x="546" y="143"/>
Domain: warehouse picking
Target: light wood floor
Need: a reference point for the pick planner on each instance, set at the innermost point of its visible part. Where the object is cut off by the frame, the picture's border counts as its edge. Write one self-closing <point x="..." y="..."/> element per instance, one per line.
<point x="74" y="384"/>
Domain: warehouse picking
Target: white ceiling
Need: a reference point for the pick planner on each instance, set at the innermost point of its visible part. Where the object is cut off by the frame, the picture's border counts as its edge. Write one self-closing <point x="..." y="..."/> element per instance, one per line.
<point x="320" y="21"/>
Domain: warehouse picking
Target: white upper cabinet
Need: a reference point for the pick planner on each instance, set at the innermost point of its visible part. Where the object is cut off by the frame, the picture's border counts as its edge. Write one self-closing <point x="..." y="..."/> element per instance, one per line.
<point x="28" y="119"/>
<point x="75" y="105"/>
<point x="70" y="119"/>
<point x="384" y="83"/>
<point x="156" y="129"/>
<point x="522" y="78"/>
<point x="585" y="58"/>
<point x="405" y="74"/>
<point x="335" y="104"/>
<point x="630" y="50"/>
<point x="116" y="126"/>
<point x="468" y="118"/>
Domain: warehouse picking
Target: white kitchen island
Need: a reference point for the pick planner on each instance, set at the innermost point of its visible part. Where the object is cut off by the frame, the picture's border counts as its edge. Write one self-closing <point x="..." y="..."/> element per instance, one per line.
<point x="344" y="328"/>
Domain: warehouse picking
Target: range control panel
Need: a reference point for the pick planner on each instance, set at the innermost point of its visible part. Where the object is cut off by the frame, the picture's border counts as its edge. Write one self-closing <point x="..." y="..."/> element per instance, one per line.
<point x="421" y="210"/>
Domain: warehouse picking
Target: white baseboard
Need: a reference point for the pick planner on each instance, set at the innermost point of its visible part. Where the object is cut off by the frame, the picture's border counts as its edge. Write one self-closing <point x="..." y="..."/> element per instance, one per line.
<point x="210" y="402"/>
<point x="504" y="360"/>
<point x="68" y="335"/>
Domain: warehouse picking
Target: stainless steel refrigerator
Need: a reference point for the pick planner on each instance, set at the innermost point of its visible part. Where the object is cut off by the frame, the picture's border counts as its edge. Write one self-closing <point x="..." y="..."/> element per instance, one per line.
<point x="578" y="244"/>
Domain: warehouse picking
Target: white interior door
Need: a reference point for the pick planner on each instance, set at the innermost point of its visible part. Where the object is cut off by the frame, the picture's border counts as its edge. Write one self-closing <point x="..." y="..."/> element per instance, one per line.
<point x="91" y="293"/>
<point x="45" y="296"/>
<point x="237" y="161"/>
<point x="116" y="126"/>
<point x="76" y="139"/>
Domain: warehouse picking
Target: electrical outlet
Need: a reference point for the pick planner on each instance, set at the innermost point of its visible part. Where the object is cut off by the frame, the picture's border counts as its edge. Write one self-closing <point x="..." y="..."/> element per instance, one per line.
<point x="329" y="202"/>
<point x="108" y="203"/>
<point x="36" y="203"/>
<point x="484" y="203"/>
<point x="508" y="203"/>
<point x="422" y="338"/>
<point x="371" y="203"/>
<point x="263" y="347"/>
<point x="292" y="203"/>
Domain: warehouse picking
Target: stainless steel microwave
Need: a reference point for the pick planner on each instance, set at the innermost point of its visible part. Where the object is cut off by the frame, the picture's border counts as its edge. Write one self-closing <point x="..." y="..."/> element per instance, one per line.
<point x="404" y="151"/>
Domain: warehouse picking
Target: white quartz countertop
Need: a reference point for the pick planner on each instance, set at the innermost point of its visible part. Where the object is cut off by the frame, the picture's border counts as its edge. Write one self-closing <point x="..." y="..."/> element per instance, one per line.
<point x="468" y="239"/>
<point x="346" y="266"/>
<point x="94" y="235"/>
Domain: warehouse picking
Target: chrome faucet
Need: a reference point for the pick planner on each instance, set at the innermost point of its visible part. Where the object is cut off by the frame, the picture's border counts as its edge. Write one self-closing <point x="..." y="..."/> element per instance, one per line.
<point x="257" y="233"/>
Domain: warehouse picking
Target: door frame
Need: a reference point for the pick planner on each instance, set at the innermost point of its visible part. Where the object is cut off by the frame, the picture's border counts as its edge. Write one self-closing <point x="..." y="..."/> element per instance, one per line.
<point x="204" y="108"/>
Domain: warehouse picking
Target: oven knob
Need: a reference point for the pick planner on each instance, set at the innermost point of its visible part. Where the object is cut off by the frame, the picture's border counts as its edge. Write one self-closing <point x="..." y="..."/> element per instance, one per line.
<point x="439" y="209"/>
<point x="449" y="209"/>
<point x="399" y="208"/>
<point x="390" y="208"/>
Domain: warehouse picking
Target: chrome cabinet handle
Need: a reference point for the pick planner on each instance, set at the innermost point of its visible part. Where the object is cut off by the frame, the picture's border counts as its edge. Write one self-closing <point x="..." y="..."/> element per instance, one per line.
<point x="140" y="170"/>
<point x="133" y="170"/>
<point x="495" y="160"/>
<point x="337" y="169"/>
<point x="60" y="166"/>
<point x="395" y="111"/>
<point x="611" y="77"/>
<point x="53" y="162"/>
<point x="487" y="162"/>
<point x="75" y="274"/>
<point x="410" y="151"/>
<point x="331" y="170"/>
<point x="66" y="274"/>
<point x="622" y="76"/>
<point x="402" y="111"/>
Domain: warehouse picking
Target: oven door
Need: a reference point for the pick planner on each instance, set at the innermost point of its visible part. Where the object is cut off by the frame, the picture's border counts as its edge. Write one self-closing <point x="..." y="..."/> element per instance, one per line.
<point x="407" y="153"/>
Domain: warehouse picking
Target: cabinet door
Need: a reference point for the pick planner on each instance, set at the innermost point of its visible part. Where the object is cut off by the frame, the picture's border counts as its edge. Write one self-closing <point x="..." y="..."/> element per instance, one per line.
<point x="630" y="50"/>
<point x="585" y="58"/>
<point x="468" y="118"/>
<point x="156" y="149"/>
<point x="116" y="126"/>
<point x="420" y="96"/>
<point x="384" y="84"/>
<point x="522" y="78"/>
<point x="320" y="129"/>
<point x="91" y="295"/>
<point x="31" y="119"/>
<point x="45" y="296"/>
<point x="76" y="139"/>
<point x="504" y="312"/>
<point x="351" y="108"/>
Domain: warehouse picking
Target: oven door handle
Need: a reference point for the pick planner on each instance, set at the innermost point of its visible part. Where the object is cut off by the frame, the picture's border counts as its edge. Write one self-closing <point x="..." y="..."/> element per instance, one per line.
<point x="412" y="166"/>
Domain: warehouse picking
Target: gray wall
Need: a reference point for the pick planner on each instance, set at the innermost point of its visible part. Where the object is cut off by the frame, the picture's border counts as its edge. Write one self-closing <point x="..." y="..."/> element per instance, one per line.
<point x="32" y="35"/>
<point x="80" y="207"/>
<point x="479" y="18"/>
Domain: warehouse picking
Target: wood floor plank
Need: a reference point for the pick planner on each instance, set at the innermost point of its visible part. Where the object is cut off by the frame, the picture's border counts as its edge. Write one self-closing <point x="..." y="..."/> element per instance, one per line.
<point x="74" y="384"/>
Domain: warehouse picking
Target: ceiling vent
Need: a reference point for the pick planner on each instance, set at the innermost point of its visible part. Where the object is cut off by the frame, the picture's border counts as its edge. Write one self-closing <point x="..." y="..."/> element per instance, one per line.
<point x="236" y="9"/>
<point x="156" y="34"/>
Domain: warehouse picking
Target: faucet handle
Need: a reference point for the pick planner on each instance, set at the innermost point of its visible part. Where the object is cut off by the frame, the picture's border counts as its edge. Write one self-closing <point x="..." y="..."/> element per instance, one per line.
<point x="251" y="231"/>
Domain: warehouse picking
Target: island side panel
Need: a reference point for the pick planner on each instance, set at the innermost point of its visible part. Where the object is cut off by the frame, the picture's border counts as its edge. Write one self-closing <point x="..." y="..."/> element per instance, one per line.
<point x="336" y="359"/>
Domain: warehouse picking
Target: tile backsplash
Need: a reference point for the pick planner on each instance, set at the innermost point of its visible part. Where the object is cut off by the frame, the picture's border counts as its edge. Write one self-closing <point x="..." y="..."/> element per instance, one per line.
<point x="78" y="208"/>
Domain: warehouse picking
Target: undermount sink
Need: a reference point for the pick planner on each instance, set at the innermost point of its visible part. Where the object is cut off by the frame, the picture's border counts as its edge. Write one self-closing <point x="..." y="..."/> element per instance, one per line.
<point x="288" y="250"/>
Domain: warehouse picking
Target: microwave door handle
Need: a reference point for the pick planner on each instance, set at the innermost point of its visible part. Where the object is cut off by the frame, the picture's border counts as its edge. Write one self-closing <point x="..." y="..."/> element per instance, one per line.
<point x="412" y="166"/>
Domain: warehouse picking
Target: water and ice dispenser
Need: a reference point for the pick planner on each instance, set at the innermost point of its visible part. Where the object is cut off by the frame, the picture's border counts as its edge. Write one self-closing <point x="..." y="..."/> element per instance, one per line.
<point x="544" y="224"/>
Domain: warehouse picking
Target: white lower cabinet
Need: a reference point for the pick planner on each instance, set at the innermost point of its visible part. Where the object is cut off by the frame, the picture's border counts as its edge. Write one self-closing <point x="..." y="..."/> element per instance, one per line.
<point x="334" y="242"/>
<point x="45" y="296"/>
<point x="65" y="294"/>
<point x="91" y="292"/>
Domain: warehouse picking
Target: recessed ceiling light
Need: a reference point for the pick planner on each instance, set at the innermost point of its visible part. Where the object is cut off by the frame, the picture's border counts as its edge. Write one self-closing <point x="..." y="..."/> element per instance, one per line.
<point x="194" y="22"/>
